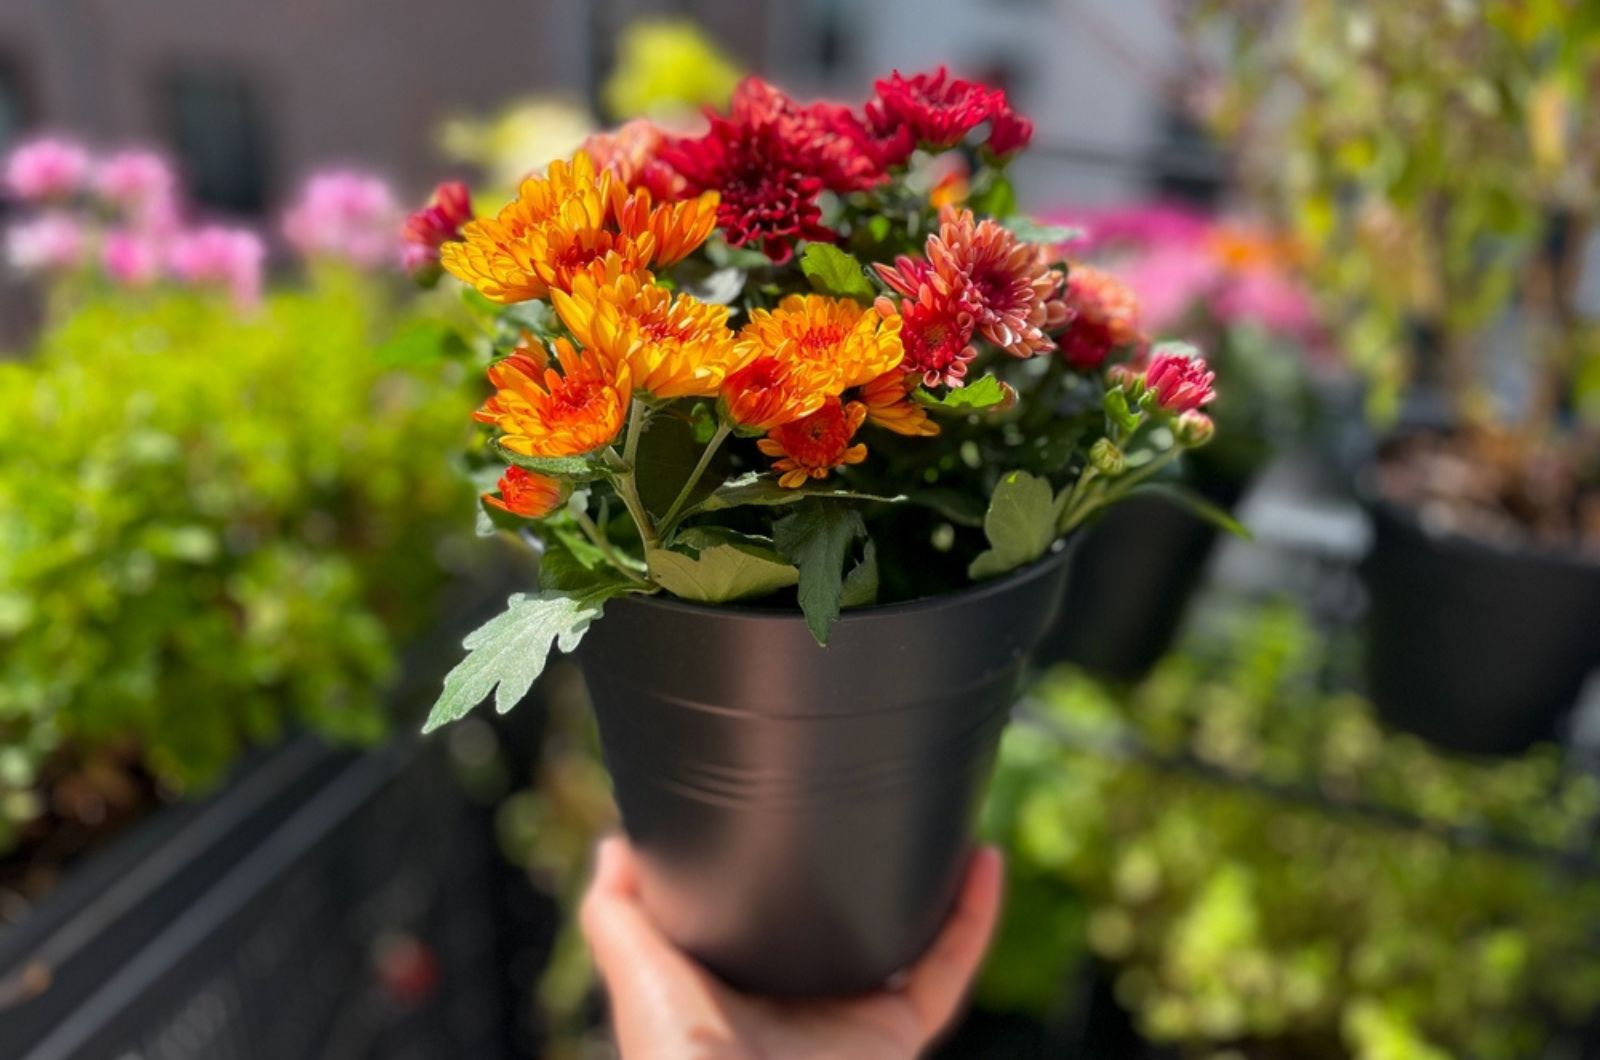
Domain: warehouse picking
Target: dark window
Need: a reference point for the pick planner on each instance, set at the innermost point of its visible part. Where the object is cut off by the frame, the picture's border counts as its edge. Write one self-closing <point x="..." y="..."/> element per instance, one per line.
<point x="220" y="139"/>
<point x="13" y="104"/>
<point x="832" y="38"/>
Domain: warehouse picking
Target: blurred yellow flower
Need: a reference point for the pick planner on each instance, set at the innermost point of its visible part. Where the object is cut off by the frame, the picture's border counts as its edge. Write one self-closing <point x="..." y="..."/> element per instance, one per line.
<point x="668" y="67"/>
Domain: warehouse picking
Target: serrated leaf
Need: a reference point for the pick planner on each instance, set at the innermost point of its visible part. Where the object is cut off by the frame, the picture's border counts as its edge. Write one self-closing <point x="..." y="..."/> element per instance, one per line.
<point x="577" y="468"/>
<point x="507" y="654"/>
<point x="1028" y="230"/>
<point x="817" y="539"/>
<point x="1198" y="505"/>
<point x="1020" y="525"/>
<point x="571" y="563"/>
<point x="986" y="393"/>
<point x="763" y="490"/>
<point x="712" y="565"/>
<point x="833" y="272"/>
<point x="861" y="584"/>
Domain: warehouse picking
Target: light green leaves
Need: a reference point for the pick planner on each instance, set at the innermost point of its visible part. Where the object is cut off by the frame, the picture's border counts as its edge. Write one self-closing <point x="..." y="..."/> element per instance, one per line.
<point x="712" y="565"/>
<point x="1028" y="230"/>
<point x="578" y="468"/>
<point x="507" y="654"/>
<point x="1020" y="525"/>
<point x="817" y="538"/>
<point x="987" y="393"/>
<point x="833" y="272"/>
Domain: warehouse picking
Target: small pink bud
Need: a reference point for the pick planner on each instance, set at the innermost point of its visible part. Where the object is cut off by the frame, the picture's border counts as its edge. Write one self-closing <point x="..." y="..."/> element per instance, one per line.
<point x="1193" y="429"/>
<point x="1178" y="382"/>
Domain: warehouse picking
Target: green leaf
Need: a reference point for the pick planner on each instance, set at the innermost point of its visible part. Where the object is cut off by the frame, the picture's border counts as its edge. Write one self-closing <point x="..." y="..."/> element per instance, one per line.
<point x="1020" y="525"/>
<point x="834" y="272"/>
<point x="1028" y="230"/>
<point x="713" y="565"/>
<point x="861" y="584"/>
<point x="421" y="342"/>
<point x="536" y="317"/>
<point x="958" y="506"/>
<point x="709" y="284"/>
<point x="571" y="563"/>
<point x="986" y="393"/>
<point x="992" y="195"/>
<point x="1198" y="505"/>
<point x="817" y="538"/>
<point x="1117" y="410"/>
<point x="724" y="256"/>
<point x="759" y="489"/>
<point x="577" y="468"/>
<point x="668" y="452"/>
<point x="506" y="654"/>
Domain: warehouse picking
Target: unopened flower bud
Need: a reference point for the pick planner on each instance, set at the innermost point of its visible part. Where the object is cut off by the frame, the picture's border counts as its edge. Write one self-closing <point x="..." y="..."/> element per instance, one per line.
<point x="1106" y="458"/>
<point x="1126" y="376"/>
<point x="1193" y="429"/>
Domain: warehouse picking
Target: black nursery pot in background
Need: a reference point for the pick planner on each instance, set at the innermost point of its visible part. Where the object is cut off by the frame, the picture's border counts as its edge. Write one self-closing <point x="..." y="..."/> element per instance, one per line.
<point x="804" y="814"/>
<point x="1476" y="647"/>
<point x="1132" y="577"/>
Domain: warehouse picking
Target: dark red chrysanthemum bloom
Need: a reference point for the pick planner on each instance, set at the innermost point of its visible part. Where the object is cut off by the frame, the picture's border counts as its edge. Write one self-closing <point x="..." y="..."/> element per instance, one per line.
<point x="937" y="110"/>
<point x="769" y="159"/>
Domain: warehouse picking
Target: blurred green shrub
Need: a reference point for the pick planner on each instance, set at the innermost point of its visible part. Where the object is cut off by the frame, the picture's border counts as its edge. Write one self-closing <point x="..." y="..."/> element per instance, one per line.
<point x="1242" y="923"/>
<point x="213" y="526"/>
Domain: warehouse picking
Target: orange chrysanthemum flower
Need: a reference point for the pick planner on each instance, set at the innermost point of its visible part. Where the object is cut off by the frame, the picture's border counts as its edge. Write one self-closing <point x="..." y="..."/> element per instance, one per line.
<point x="528" y="494"/>
<point x="890" y="406"/>
<point x="543" y="412"/>
<point x="813" y="446"/>
<point x="769" y="392"/>
<point x="573" y="221"/>
<point x="832" y="340"/>
<point x="674" y="346"/>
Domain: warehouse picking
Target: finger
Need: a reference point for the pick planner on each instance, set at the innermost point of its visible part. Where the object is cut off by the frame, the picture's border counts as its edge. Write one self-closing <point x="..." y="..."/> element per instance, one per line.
<point x="620" y="934"/>
<point x="936" y="984"/>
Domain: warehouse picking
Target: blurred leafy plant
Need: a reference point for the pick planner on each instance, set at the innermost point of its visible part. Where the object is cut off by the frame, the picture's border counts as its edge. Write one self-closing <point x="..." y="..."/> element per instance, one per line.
<point x="1439" y="157"/>
<point x="668" y="68"/>
<point x="1242" y="923"/>
<point x="212" y="526"/>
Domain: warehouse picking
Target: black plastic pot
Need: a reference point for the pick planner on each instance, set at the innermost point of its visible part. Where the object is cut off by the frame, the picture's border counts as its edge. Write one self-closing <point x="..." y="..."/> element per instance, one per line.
<point x="804" y="814"/>
<point x="1473" y="646"/>
<point x="1131" y="581"/>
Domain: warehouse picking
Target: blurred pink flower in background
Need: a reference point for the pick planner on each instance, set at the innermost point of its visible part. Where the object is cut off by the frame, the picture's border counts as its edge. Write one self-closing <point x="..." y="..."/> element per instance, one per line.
<point x="51" y="242"/>
<point x="131" y="257"/>
<point x="431" y="227"/>
<point x="46" y="169"/>
<point x="347" y="216"/>
<point x="215" y="254"/>
<point x="141" y="186"/>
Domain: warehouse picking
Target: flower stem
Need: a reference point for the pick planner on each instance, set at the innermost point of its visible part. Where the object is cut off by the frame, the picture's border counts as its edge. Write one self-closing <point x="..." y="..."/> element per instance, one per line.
<point x="626" y="485"/>
<point x="723" y="430"/>
<point x="1073" y="516"/>
<point x="598" y="539"/>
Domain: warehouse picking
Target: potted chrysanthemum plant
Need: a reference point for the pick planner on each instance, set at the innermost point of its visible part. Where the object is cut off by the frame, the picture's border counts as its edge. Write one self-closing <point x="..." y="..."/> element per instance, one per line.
<point x="786" y="413"/>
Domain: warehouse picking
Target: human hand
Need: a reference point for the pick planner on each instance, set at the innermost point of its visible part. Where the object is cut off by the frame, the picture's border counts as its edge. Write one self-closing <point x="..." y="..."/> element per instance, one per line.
<point x="664" y="1006"/>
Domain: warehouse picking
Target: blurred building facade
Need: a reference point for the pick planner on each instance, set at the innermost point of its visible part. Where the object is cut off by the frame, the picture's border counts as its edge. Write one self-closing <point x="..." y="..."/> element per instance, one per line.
<point x="250" y="96"/>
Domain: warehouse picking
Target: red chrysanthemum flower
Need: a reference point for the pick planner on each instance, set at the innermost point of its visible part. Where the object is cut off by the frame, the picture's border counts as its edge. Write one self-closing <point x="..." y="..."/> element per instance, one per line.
<point x="770" y="158"/>
<point x="938" y="111"/>
<point x="1179" y="383"/>
<point x="1106" y="316"/>
<point x="1005" y="284"/>
<point x="434" y="225"/>
<point x="937" y="335"/>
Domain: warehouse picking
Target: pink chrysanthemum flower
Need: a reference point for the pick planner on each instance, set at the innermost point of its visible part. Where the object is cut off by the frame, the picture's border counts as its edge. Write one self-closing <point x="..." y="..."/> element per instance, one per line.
<point x="633" y="153"/>
<point x="141" y="186"/>
<point x="1106" y="316"/>
<point x="131" y="257"/>
<point x="227" y="257"/>
<point x="345" y="216"/>
<point x="45" y="169"/>
<point x="1178" y="382"/>
<point x="1005" y="284"/>
<point x="51" y="242"/>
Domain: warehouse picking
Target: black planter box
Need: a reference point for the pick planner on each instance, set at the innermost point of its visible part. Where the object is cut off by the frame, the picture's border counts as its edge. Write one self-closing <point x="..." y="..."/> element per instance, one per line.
<point x="323" y="904"/>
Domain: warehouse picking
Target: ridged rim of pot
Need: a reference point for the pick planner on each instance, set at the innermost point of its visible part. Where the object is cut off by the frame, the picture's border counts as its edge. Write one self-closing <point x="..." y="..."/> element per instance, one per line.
<point x="1039" y="568"/>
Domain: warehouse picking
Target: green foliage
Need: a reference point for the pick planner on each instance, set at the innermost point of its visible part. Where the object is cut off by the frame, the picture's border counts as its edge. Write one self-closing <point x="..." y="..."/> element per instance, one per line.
<point x="506" y="654"/>
<point x="1020" y="525"/>
<point x="213" y="526"/>
<point x="984" y="393"/>
<point x="832" y="272"/>
<point x="1208" y="825"/>
<point x="713" y="565"/>
<point x="817" y="538"/>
